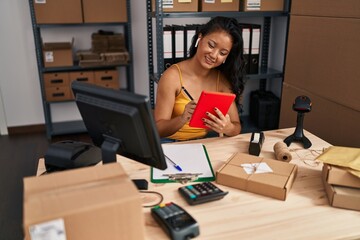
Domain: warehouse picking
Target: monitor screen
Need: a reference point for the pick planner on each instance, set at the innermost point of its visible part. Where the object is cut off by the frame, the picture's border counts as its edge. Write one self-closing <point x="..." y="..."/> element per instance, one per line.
<point x="119" y="122"/>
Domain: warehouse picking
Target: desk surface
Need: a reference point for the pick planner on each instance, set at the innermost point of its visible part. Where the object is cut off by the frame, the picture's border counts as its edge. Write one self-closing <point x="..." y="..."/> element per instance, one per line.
<point x="305" y="214"/>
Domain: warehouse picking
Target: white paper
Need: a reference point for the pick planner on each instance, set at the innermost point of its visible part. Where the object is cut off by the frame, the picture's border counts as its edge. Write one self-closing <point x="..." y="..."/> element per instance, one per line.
<point x="251" y="168"/>
<point x="49" y="56"/>
<point x="51" y="230"/>
<point x="190" y="157"/>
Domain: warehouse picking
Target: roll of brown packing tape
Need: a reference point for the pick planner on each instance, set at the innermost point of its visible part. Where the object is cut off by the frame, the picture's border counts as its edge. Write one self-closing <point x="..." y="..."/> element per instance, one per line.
<point x="282" y="153"/>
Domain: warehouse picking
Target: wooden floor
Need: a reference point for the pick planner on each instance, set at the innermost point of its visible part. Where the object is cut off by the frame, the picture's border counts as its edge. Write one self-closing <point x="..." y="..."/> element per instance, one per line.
<point x="18" y="158"/>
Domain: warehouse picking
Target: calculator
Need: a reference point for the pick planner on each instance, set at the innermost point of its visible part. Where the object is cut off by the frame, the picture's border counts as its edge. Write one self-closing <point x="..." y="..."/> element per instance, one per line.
<point x="201" y="193"/>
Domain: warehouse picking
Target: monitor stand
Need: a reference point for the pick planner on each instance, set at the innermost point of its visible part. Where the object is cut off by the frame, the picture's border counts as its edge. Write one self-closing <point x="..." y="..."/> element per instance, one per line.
<point x="109" y="149"/>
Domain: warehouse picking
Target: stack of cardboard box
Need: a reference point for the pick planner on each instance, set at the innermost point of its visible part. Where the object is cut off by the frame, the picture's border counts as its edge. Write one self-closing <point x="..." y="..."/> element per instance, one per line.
<point x="341" y="176"/>
<point x="322" y="63"/>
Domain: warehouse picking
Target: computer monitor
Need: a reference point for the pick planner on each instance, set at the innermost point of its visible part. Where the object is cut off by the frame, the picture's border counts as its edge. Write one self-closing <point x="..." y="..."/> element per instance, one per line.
<point x="119" y="122"/>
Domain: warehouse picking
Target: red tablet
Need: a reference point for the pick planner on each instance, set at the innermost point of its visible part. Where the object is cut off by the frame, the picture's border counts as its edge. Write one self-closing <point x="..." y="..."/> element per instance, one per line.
<point x="207" y="102"/>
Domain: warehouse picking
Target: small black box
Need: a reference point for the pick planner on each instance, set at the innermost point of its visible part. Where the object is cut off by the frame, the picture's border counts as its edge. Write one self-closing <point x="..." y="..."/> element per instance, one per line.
<point x="264" y="109"/>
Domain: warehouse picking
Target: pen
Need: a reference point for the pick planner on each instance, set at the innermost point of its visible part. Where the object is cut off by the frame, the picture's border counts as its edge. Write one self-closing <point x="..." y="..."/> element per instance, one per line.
<point x="174" y="164"/>
<point x="187" y="93"/>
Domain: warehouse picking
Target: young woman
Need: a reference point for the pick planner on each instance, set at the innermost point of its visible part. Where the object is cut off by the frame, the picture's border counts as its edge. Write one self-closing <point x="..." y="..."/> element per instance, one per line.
<point x="215" y="64"/>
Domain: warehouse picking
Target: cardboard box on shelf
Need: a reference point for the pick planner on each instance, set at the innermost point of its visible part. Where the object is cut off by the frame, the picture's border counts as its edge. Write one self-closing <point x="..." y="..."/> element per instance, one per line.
<point x="107" y="78"/>
<point x="88" y="203"/>
<point x="58" y="54"/>
<point x="104" y="11"/>
<point x="56" y="79"/>
<point x="341" y="197"/>
<point x="178" y="6"/>
<point x="275" y="183"/>
<point x="263" y="5"/>
<point x="58" y="11"/>
<point x="220" y="6"/>
<point x="326" y="8"/>
<point x="340" y="176"/>
<point x="60" y="93"/>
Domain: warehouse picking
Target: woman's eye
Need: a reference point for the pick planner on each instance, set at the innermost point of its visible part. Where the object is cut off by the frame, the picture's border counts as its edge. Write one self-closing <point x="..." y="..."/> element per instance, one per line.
<point x="211" y="45"/>
<point x="223" y="53"/>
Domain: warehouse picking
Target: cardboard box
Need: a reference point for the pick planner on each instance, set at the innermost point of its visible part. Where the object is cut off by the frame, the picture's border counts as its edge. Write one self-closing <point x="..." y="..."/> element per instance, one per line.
<point x="82" y="76"/>
<point x="58" y="54"/>
<point x="56" y="79"/>
<point x="341" y="197"/>
<point x="58" y="11"/>
<point x="103" y="11"/>
<point x="107" y="78"/>
<point x="340" y="176"/>
<point x="220" y="5"/>
<point x="60" y="93"/>
<point x="276" y="184"/>
<point x="326" y="8"/>
<point x="323" y="58"/>
<point x="331" y="121"/>
<point x="263" y="5"/>
<point x="178" y="6"/>
<point x="90" y="203"/>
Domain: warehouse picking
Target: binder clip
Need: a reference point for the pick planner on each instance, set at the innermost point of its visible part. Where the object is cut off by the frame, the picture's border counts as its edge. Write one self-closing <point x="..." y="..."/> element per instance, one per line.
<point x="256" y="141"/>
<point x="183" y="178"/>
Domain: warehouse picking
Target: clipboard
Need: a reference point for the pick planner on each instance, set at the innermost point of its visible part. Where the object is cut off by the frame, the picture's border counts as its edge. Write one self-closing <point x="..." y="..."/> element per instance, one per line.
<point x="207" y="102"/>
<point x="193" y="159"/>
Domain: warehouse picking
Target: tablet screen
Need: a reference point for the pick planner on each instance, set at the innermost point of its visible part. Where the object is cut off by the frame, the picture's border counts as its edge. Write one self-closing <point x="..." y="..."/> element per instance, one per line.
<point x="207" y="102"/>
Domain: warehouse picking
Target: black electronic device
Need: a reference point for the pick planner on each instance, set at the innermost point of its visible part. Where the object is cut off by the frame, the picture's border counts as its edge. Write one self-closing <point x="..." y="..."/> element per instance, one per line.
<point x="71" y="154"/>
<point x="302" y="105"/>
<point x="119" y="122"/>
<point x="256" y="142"/>
<point x="175" y="221"/>
<point x="201" y="193"/>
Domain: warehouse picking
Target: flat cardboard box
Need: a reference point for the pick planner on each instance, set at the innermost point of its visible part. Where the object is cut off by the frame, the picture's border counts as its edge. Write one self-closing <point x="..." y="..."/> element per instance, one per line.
<point x="326" y="8"/>
<point x="59" y="93"/>
<point x="336" y="175"/>
<point x="220" y="6"/>
<point x="178" y="6"/>
<point x="276" y="184"/>
<point x="57" y="11"/>
<point x="331" y="121"/>
<point x="58" y="54"/>
<point x="91" y="203"/>
<point x="323" y="58"/>
<point x="104" y="11"/>
<point x="263" y="5"/>
<point x="341" y="197"/>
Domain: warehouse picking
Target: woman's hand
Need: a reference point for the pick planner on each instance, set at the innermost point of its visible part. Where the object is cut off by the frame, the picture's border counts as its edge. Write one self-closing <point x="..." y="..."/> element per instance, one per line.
<point x="188" y="111"/>
<point x="219" y="123"/>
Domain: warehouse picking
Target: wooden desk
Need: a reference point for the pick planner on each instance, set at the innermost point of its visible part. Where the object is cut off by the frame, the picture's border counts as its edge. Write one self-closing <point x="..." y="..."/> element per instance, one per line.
<point x="305" y="214"/>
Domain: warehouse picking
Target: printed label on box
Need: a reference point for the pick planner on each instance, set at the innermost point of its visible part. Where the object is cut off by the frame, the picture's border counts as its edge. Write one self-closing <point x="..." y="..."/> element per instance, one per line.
<point x="209" y="1"/>
<point x="226" y="1"/>
<point x="49" y="56"/>
<point x="168" y="4"/>
<point x="40" y="1"/>
<point x="51" y="230"/>
<point x="253" y="5"/>
<point x="184" y="1"/>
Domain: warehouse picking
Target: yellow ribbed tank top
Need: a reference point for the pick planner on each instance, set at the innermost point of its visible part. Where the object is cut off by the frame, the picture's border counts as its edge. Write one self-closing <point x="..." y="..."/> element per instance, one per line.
<point x="186" y="132"/>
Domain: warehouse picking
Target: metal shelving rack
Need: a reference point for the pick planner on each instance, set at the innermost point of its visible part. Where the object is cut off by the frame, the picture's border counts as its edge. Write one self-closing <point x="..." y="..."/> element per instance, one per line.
<point x="159" y="16"/>
<point x="76" y="126"/>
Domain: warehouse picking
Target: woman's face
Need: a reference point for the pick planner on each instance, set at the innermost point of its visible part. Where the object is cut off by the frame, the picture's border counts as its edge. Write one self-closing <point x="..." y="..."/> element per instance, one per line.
<point x="213" y="49"/>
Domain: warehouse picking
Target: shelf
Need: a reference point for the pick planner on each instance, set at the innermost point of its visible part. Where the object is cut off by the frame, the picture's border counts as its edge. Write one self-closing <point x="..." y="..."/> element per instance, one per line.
<point x="58" y="25"/>
<point x="215" y="14"/>
<point x="79" y="68"/>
